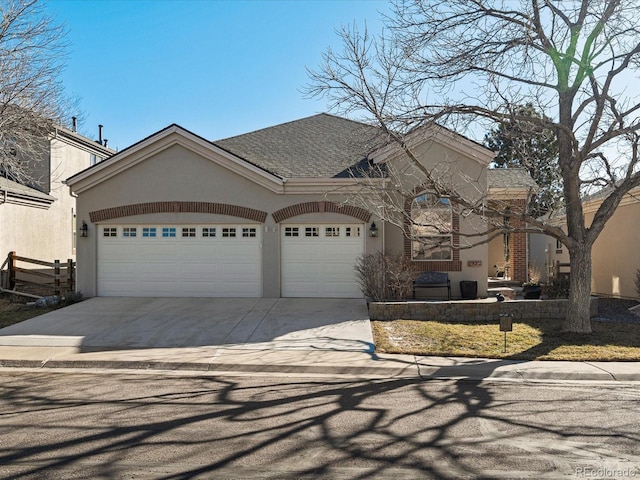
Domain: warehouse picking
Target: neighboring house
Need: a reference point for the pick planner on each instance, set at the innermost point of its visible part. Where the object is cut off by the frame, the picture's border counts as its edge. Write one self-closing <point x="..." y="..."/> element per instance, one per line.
<point x="38" y="220"/>
<point x="265" y="214"/>
<point x="615" y="254"/>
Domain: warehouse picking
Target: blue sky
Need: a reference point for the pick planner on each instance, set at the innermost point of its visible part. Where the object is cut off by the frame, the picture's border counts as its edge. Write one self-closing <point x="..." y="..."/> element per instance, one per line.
<point x="218" y="68"/>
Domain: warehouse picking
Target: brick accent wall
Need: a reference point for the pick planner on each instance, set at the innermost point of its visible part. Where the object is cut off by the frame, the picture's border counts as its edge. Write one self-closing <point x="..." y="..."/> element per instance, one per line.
<point x="518" y="245"/>
<point x="321" y="207"/>
<point x="174" y="207"/>
<point x="518" y="241"/>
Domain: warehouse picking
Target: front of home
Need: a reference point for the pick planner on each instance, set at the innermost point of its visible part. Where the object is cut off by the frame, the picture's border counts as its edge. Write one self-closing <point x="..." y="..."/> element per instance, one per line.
<point x="267" y="214"/>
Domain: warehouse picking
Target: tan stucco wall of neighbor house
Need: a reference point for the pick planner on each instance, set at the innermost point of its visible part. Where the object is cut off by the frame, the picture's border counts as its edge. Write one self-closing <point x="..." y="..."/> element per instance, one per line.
<point x="46" y="234"/>
<point x="496" y="255"/>
<point x="616" y="255"/>
<point x="180" y="174"/>
<point x="541" y="254"/>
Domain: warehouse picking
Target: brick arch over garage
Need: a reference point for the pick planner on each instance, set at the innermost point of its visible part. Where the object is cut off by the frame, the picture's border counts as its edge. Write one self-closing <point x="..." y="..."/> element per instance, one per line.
<point x="321" y="207"/>
<point x="178" y="207"/>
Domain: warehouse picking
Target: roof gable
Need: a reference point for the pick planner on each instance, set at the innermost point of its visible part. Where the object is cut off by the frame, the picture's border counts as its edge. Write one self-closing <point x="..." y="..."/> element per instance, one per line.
<point x="161" y="140"/>
<point x="440" y="135"/>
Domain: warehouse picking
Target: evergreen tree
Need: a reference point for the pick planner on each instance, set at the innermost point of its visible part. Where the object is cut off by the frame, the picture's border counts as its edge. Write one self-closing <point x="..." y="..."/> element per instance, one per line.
<point x="524" y="141"/>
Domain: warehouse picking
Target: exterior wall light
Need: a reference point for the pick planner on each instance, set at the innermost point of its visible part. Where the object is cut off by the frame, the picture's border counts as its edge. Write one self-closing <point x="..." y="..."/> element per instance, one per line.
<point x="84" y="229"/>
<point x="373" y="230"/>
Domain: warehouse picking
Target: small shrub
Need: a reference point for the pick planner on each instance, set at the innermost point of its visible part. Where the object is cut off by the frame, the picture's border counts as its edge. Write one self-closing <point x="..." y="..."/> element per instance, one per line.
<point x="385" y="277"/>
<point x="534" y="276"/>
<point x="70" y="298"/>
<point x="557" y="287"/>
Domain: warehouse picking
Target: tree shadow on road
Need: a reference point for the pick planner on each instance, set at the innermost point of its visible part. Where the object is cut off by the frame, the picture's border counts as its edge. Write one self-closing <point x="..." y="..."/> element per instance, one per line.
<point x="198" y="427"/>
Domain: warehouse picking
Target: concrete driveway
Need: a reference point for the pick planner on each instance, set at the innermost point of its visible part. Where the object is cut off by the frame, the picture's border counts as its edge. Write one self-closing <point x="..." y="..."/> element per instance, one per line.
<point x="242" y="323"/>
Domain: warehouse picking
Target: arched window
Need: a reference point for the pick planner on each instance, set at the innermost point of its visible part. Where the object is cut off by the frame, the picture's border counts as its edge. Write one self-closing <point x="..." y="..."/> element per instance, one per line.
<point x="431" y="228"/>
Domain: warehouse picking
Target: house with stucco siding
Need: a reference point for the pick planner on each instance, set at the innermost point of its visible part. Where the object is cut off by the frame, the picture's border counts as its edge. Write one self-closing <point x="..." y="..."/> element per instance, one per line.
<point x="269" y="213"/>
<point x="615" y="255"/>
<point x="37" y="218"/>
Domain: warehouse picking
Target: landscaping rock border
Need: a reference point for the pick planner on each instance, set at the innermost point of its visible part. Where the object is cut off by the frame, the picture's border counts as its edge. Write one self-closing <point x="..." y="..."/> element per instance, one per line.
<point x="473" y="311"/>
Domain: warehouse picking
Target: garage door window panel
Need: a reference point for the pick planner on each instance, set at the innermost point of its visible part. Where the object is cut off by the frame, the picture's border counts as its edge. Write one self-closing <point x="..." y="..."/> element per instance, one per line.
<point x="149" y="232"/>
<point x="209" y="232"/>
<point x="109" y="232"/>
<point x="189" y="232"/>
<point x="352" y="231"/>
<point x="168" y="232"/>
<point x="129" y="232"/>
<point x="228" y="232"/>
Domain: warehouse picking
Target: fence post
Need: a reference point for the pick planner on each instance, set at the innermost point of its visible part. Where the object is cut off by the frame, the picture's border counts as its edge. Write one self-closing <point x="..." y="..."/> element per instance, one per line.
<point x="71" y="275"/>
<point x="56" y="271"/>
<point x="12" y="270"/>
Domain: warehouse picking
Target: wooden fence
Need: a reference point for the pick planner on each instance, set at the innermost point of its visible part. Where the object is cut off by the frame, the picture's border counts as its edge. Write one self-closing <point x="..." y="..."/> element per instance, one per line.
<point x="57" y="277"/>
<point x="562" y="270"/>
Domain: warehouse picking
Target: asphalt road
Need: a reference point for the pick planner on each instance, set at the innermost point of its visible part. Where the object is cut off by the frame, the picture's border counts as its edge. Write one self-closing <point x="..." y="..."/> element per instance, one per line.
<point x="139" y="426"/>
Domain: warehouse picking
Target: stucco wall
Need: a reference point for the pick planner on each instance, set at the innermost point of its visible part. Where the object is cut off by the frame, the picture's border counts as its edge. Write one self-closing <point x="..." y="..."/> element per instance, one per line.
<point x="496" y="255"/>
<point x="46" y="234"/>
<point x="616" y="255"/>
<point x="469" y="177"/>
<point x="180" y="174"/>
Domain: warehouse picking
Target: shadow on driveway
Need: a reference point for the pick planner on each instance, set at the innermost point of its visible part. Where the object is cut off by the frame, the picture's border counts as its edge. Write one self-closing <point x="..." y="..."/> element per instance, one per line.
<point x="241" y="323"/>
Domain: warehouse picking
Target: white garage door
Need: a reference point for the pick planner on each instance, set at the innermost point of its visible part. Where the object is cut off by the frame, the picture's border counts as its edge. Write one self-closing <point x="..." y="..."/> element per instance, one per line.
<point x="179" y="260"/>
<point x="319" y="260"/>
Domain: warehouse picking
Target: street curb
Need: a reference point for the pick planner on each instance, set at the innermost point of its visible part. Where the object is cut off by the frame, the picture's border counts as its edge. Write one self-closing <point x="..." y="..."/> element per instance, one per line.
<point x="416" y="370"/>
<point x="209" y="367"/>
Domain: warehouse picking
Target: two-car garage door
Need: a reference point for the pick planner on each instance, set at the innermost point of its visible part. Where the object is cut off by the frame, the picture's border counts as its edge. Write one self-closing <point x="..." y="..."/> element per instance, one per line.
<point x="179" y="260"/>
<point x="226" y="260"/>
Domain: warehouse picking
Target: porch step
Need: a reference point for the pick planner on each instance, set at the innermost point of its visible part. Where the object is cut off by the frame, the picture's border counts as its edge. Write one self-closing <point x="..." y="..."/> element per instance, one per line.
<point x="499" y="282"/>
<point x="508" y="292"/>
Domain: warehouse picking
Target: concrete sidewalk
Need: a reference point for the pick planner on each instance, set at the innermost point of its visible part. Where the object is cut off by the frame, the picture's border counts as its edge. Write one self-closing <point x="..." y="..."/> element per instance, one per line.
<point x="221" y="361"/>
<point x="301" y="337"/>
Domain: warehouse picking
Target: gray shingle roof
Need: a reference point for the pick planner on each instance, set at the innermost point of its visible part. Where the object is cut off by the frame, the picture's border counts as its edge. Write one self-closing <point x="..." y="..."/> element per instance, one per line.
<point x="326" y="146"/>
<point x="320" y="146"/>
<point x="16" y="188"/>
<point x="510" y="178"/>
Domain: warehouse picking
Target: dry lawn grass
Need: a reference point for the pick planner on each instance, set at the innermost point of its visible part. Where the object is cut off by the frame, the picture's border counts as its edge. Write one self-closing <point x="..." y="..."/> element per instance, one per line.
<point x="14" y="311"/>
<point x="531" y="340"/>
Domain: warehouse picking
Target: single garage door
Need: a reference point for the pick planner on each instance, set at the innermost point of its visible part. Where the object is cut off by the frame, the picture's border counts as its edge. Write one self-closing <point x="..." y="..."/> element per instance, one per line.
<point x="319" y="260"/>
<point x="179" y="260"/>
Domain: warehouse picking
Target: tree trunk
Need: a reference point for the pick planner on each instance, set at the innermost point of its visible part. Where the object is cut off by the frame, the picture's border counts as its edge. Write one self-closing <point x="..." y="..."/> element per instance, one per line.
<point x="578" y="319"/>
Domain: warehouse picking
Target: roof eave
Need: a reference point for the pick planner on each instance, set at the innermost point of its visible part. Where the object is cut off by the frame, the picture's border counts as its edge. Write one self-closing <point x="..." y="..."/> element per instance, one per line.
<point x="312" y="186"/>
<point x="161" y="140"/>
<point x="508" y="193"/>
<point x="441" y="135"/>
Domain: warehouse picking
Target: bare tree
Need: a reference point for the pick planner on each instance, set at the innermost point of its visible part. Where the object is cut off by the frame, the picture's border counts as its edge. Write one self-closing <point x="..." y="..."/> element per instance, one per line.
<point x="32" y="55"/>
<point x="471" y="63"/>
